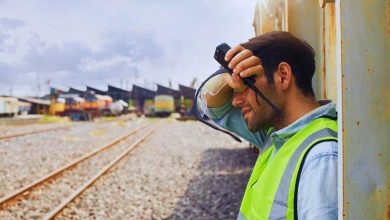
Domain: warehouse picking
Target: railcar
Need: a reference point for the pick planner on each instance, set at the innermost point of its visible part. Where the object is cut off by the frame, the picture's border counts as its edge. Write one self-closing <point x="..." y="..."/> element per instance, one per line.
<point x="164" y="105"/>
<point x="118" y="107"/>
<point x="97" y="105"/>
<point x="57" y="106"/>
<point x="74" y="108"/>
<point x="91" y="105"/>
<point x="104" y="104"/>
<point x="8" y="106"/>
<point x="148" y="108"/>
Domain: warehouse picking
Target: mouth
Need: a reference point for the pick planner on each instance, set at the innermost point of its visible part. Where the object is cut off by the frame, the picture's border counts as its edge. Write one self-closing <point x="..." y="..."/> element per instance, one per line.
<point x="245" y="112"/>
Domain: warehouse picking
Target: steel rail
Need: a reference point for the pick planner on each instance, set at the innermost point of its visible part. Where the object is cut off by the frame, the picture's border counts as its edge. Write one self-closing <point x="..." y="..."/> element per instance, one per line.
<point x="19" y="192"/>
<point x="52" y="214"/>
<point x="33" y="132"/>
<point x="5" y="137"/>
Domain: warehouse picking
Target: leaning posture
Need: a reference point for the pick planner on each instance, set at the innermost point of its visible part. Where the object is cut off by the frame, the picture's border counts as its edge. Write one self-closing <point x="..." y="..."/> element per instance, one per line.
<point x="295" y="175"/>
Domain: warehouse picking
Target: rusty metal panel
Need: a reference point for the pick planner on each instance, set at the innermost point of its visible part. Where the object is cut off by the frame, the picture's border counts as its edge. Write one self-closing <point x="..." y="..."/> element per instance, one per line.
<point x="301" y="18"/>
<point x="270" y="15"/>
<point x="351" y="39"/>
<point x="364" y="91"/>
<point x="304" y="21"/>
<point x="329" y="61"/>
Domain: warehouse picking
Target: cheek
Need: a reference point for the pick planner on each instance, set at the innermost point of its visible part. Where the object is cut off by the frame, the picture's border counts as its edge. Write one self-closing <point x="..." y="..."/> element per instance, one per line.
<point x="239" y="99"/>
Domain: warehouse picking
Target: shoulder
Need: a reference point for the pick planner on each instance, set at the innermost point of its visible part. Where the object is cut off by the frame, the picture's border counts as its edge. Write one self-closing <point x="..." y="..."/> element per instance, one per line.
<point x="321" y="153"/>
<point x="317" y="197"/>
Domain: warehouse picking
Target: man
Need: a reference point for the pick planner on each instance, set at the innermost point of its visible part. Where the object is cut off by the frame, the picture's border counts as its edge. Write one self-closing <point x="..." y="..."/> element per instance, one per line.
<point x="295" y="176"/>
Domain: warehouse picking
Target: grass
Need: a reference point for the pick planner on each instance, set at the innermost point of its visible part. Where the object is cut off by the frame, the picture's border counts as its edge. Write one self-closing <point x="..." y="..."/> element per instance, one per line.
<point x="53" y="119"/>
<point x="108" y="118"/>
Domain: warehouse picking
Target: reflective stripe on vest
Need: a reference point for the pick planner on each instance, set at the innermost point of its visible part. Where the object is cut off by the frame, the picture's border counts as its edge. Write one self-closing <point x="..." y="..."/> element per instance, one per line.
<point x="279" y="206"/>
<point x="271" y="192"/>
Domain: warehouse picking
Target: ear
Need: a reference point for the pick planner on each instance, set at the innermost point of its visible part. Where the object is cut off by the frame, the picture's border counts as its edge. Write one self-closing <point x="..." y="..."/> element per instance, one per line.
<point x="283" y="77"/>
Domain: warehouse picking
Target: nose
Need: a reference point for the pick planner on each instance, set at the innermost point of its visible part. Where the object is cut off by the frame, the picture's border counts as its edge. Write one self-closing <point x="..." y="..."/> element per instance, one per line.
<point x="238" y="99"/>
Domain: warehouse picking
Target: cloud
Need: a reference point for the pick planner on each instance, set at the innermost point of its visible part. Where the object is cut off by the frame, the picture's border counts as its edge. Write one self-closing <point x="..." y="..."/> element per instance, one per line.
<point x="7" y="42"/>
<point x="137" y="46"/>
<point x="10" y="24"/>
<point x="94" y="42"/>
<point x="57" y="57"/>
<point x="113" y="67"/>
<point x="119" y="57"/>
<point x="4" y="41"/>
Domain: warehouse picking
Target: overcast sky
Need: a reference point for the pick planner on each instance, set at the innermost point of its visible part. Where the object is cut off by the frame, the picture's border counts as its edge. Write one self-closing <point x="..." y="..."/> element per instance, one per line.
<point x="95" y="43"/>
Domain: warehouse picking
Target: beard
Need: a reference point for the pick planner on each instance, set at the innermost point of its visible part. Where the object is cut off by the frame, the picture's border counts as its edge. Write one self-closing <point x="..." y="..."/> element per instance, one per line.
<point x="260" y="116"/>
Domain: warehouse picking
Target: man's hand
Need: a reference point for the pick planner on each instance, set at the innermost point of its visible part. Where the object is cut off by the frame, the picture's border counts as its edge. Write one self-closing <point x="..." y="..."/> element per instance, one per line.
<point x="244" y="64"/>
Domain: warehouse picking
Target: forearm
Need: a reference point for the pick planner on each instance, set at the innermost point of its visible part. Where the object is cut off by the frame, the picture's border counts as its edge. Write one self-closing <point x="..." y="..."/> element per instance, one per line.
<point x="217" y="91"/>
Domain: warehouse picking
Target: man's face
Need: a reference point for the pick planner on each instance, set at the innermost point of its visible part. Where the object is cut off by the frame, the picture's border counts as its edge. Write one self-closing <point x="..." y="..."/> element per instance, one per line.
<point x="257" y="116"/>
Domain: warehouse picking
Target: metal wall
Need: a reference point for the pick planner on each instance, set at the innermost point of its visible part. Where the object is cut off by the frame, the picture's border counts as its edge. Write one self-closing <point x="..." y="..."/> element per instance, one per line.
<point x="351" y="40"/>
<point x="364" y="64"/>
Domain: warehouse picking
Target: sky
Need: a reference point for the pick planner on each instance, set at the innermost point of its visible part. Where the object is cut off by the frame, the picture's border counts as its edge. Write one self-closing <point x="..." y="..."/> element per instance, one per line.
<point x="78" y="43"/>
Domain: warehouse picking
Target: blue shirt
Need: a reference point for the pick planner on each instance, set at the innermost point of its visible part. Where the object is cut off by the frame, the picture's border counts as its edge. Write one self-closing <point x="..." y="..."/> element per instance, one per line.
<point x="317" y="198"/>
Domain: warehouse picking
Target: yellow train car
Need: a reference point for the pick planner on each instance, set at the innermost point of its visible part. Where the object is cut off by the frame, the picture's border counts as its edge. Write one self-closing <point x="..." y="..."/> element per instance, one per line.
<point x="148" y="107"/>
<point x="164" y="105"/>
<point x="57" y="106"/>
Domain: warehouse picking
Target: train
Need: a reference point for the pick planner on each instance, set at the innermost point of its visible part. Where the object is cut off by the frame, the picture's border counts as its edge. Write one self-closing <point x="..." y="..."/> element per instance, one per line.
<point x="159" y="106"/>
<point x="8" y="106"/>
<point x="82" y="108"/>
<point x="74" y="108"/>
<point x="164" y="105"/>
<point x="12" y="106"/>
<point x="97" y="105"/>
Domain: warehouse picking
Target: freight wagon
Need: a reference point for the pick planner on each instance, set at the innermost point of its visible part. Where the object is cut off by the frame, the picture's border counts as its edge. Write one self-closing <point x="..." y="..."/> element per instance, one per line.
<point x="74" y="108"/>
<point x="97" y="105"/>
<point x="8" y="106"/>
<point x="164" y="105"/>
<point x="148" y="107"/>
<point x="57" y="106"/>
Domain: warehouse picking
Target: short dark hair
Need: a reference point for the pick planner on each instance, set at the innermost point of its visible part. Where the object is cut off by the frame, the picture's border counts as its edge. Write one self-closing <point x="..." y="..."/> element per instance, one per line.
<point x="279" y="46"/>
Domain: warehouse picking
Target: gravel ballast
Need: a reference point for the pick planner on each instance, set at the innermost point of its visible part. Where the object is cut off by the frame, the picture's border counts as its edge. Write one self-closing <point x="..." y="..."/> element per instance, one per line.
<point x="184" y="171"/>
<point x="27" y="158"/>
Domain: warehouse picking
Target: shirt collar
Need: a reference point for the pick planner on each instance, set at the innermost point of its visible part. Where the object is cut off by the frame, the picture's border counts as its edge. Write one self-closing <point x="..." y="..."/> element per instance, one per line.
<point x="280" y="137"/>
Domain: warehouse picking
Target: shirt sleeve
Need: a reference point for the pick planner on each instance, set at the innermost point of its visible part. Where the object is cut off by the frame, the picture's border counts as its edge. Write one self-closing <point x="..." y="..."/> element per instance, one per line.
<point x="317" y="190"/>
<point x="231" y="119"/>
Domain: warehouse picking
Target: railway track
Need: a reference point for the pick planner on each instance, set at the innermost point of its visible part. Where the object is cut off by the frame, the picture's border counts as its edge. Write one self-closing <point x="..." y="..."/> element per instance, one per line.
<point x="46" y="197"/>
<point x="19" y="134"/>
<point x="6" y="137"/>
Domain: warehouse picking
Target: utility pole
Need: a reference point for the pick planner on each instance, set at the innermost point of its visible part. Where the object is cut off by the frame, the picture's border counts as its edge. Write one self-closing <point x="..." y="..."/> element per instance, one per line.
<point x="38" y="85"/>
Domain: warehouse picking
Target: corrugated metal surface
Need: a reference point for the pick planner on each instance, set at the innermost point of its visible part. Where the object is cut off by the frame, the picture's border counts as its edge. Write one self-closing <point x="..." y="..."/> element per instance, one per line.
<point x="270" y="15"/>
<point x="287" y="15"/>
<point x="352" y="42"/>
<point x="365" y="90"/>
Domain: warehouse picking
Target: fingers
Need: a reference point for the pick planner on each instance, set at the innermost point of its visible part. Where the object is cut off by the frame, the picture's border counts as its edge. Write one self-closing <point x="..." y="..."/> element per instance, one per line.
<point x="239" y="57"/>
<point x="236" y="83"/>
<point x="229" y="55"/>
<point x="249" y="67"/>
<point x="244" y="64"/>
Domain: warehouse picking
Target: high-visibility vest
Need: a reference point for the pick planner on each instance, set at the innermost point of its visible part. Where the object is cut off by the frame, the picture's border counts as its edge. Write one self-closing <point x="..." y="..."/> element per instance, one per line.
<point x="272" y="189"/>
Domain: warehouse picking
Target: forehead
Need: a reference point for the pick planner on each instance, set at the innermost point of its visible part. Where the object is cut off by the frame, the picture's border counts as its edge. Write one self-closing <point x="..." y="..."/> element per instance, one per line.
<point x="242" y="93"/>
